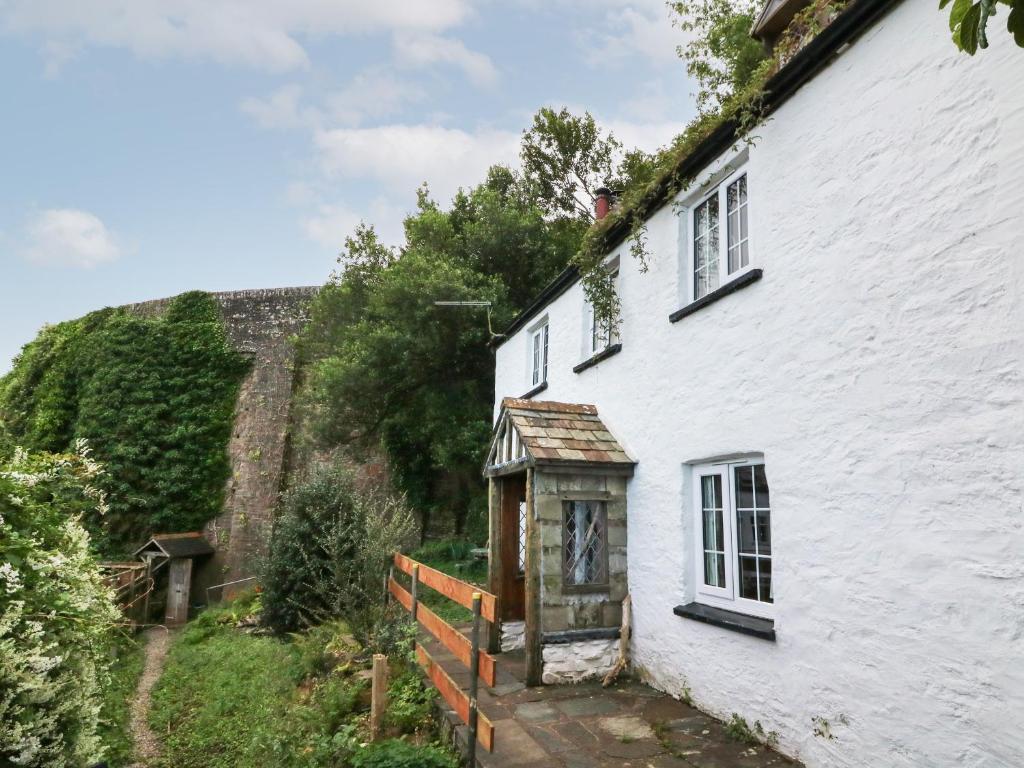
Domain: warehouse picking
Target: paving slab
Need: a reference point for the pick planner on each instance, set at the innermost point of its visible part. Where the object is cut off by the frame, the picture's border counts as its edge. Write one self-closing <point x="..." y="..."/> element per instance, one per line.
<point x="628" y="725"/>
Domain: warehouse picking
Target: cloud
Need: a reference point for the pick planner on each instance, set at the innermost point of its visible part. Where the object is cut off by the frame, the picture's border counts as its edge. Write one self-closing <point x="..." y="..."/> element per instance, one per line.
<point x="372" y="95"/>
<point x="69" y="237"/>
<point x="280" y="110"/>
<point x="419" y="50"/>
<point x="264" y="35"/>
<point x="331" y="223"/>
<point x="635" y="30"/>
<point x="404" y="156"/>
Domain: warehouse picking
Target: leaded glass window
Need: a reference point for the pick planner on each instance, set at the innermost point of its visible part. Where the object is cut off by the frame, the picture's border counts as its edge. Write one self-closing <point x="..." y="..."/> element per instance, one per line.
<point x="585" y="543"/>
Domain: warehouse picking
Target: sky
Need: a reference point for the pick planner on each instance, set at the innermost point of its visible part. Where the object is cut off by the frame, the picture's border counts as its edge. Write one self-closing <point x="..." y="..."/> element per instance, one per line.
<point x="150" y="147"/>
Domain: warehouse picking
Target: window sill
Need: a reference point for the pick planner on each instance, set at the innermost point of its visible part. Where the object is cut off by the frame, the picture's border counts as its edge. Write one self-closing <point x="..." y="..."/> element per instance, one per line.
<point x="585" y="589"/>
<point x="751" y="276"/>
<point x="754" y="626"/>
<point x="535" y="391"/>
<point x="604" y="354"/>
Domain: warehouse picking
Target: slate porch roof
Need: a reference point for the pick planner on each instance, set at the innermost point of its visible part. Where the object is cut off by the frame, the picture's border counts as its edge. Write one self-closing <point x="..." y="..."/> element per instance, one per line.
<point x="552" y="433"/>
<point x="179" y="545"/>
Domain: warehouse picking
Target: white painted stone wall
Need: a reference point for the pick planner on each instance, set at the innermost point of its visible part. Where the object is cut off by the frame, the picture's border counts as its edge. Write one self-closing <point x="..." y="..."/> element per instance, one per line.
<point x="566" y="663"/>
<point x="879" y="366"/>
<point x="513" y="635"/>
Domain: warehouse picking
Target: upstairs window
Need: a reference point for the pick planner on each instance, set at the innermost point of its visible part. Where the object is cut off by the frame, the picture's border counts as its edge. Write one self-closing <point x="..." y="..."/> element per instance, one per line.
<point x="539" y="355"/>
<point x="715" y="257"/>
<point x="600" y="335"/>
<point x="734" y="536"/>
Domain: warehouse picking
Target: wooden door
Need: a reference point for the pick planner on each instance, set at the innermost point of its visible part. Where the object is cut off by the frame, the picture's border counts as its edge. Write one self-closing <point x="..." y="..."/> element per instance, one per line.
<point x="178" y="586"/>
<point x="513" y="541"/>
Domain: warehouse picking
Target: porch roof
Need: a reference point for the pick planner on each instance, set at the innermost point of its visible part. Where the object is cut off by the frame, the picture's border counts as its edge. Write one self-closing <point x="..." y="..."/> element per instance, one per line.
<point x="545" y="433"/>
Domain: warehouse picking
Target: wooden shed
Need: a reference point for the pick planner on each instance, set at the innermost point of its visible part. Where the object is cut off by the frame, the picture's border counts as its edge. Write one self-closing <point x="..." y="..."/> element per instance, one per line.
<point x="179" y="550"/>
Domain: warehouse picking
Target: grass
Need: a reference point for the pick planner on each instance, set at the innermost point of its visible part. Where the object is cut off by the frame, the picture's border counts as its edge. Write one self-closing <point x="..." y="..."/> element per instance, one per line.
<point x="117" y="696"/>
<point x="232" y="698"/>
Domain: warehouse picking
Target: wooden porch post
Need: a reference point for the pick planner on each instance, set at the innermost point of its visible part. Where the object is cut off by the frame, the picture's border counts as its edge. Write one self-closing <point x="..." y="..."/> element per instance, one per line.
<point x="494" y="561"/>
<point x="534" y="660"/>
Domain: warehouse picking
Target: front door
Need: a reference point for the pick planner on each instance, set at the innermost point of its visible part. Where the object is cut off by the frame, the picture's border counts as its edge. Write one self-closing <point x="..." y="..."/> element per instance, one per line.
<point x="513" y="548"/>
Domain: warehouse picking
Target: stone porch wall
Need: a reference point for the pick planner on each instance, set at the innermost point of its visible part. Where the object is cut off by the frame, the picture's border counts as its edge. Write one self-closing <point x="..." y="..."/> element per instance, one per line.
<point x="563" y="610"/>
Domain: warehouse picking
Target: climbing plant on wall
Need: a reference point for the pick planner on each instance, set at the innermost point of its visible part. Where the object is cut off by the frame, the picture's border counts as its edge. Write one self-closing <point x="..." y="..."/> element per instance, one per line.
<point x="155" y="398"/>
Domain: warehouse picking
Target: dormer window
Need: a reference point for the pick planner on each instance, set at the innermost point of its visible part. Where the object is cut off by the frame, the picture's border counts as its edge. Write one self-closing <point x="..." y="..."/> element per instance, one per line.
<point x="715" y="256"/>
<point x="539" y="355"/>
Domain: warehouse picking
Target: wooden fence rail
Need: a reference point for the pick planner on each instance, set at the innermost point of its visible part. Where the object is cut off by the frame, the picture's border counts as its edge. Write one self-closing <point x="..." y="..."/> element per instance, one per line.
<point x="481" y="664"/>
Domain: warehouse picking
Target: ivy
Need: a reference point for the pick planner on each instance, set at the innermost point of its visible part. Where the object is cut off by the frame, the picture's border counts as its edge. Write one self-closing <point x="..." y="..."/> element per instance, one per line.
<point x="155" y="398"/>
<point x="740" y="92"/>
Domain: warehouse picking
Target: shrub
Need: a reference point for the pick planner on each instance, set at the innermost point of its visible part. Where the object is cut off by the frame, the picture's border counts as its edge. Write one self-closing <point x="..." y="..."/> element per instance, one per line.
<point x="56" y="614"/>
<point x="396" y="753"/>
<point x="409" y="702"/>
<point x="329" y="553"/>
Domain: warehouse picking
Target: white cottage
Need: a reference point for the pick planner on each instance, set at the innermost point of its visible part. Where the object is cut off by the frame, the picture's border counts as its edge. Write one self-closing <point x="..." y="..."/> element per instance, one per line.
<point x="814" y="407"/>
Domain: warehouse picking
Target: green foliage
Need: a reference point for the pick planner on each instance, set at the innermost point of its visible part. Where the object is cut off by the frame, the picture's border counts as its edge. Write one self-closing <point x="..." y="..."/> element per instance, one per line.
<point x="567" y="158"/>
<point x="128" y="660"/>
<point x="740" y="106"/>
<point x="56" y="615"/>
<point x="330" y="547"/>
<point x="721" y="55"/>
<point x="231" y="698"/>
<point x="396" y="753"/>
<point x="409" y="701"/>
<point x="737" y="729"/>
<point x="225" y="699"/>
<point x="154" y="396"/>
<point x="968" y="21"/>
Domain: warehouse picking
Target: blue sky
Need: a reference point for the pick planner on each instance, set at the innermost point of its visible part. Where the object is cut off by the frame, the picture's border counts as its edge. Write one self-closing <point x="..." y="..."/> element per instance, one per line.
<point x="152" y="147"/>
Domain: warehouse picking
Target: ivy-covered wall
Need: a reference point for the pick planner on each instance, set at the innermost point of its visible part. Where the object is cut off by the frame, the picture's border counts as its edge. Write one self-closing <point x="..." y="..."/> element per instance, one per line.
<point x="155" y="398"/>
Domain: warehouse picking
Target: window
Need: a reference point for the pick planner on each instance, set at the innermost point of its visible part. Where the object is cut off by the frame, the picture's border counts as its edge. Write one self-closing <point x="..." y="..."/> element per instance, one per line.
<point x="522" y="537"/>
<point x="710" y="250"/>
<point x="584" y="543"/>
<point x="539" y="354"/>
<point x="734" y="557"/>
<point x="600" y="336"/>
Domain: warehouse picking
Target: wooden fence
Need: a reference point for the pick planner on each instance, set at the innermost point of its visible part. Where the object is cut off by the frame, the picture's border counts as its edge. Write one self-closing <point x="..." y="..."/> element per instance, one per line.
<point x="132" y="585"/>
<point x="467" y="650"/>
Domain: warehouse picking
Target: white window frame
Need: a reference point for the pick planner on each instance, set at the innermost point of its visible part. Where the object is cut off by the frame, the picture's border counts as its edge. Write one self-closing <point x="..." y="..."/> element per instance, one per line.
<point x="719" y="190"/>
<point x="540" y="339"/>
<point x="726" y="597"/>
<point x="598" y="340"/>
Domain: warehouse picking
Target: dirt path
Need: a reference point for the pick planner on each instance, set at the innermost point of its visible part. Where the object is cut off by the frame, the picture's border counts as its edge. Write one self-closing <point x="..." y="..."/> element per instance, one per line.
<point x="147" y="746"/>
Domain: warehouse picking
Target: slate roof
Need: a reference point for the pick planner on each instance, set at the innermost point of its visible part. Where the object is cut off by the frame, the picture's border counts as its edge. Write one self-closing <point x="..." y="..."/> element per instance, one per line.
<point x="562" y="433"/>
<point x="179" y="544"/>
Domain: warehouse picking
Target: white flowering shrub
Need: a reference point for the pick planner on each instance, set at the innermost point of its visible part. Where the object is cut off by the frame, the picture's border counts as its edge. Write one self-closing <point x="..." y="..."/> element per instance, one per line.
<point x="56" y="614"/>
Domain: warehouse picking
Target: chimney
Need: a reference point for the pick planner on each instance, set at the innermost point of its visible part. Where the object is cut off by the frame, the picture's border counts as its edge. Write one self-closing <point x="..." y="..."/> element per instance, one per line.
<point x="603" y="203"/>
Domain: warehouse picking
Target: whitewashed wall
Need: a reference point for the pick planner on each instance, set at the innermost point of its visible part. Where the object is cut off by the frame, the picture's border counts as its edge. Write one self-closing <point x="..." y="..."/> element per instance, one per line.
<point x="878" y="366"/>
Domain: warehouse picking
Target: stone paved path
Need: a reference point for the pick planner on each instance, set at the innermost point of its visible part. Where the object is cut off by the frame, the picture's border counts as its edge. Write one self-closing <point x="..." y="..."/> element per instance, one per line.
<point x="586" y="726"/>
<point x="147" y="746"/>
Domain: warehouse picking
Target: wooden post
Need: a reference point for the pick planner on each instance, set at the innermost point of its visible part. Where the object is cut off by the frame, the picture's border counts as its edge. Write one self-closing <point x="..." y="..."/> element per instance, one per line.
<point x="474" y="680"/>
<point x="133" y="609"/>
<point x="149" y="589"/>
<point x="415" y="589"/>
<point x="534" y="660"/>
<point x="387" y="580"/>
<point x="378" y="695"/>
<point x="494" y="563"/>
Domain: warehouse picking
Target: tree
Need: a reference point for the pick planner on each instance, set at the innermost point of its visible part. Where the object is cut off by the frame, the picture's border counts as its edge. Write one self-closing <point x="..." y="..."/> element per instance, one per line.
<point x="968" y="21"/>
<point x="386" y="369"/>
<point x="721" y="56"/>
<point x="566" y="158"/>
